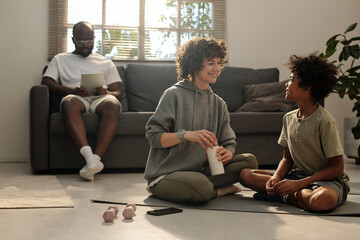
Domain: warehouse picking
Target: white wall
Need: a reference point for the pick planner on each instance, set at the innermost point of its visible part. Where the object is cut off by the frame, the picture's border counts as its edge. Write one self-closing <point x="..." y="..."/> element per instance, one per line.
<point x="264" y="33"/>
<point x="261" y="33"/>
<point x="23" y="46"/>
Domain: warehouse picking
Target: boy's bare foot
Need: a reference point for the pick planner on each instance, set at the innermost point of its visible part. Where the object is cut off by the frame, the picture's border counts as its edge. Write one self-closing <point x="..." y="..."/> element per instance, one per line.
<point x="232" y="189"/>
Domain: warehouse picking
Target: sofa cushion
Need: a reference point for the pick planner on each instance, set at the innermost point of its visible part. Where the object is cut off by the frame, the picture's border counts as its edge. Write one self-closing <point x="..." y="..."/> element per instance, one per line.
<point x="130" y="123"/>
<point x="123" y="101"/>
<point x="145" y="83"/>
<point x="232" y="80"/>
<point x="256" y="123"/>
<point x="266" y="97"/>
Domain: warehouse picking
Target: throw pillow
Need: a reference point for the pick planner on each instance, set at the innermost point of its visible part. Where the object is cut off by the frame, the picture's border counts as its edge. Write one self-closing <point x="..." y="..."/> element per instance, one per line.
<point x="230" y="83"/>
<point x="266" y="97"/>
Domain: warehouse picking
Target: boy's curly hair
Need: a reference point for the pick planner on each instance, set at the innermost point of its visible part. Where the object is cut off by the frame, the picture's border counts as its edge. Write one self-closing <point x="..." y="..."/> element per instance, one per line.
<point x="190" y="57"/>
<point x="314" y="72"/>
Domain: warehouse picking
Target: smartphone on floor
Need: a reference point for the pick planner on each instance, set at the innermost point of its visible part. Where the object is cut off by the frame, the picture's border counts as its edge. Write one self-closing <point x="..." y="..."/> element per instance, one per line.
<point x="164" y="211"/>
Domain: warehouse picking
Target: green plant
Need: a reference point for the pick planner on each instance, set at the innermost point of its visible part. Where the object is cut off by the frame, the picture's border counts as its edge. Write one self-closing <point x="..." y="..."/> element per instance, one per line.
<point x="348" y="79"/>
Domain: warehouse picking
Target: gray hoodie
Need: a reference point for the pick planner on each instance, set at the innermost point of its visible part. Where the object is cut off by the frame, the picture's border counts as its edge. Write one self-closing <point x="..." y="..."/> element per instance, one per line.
<point x="184" y="106"/>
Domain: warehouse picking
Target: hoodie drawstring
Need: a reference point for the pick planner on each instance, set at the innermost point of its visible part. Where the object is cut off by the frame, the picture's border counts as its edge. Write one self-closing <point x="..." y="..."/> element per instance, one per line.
<point x="209" y="112"/>
<point x="194" y="109"/>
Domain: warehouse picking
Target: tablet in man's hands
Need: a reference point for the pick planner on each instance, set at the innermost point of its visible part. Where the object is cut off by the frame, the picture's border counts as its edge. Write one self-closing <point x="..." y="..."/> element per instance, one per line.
<point x="92" y="80"/>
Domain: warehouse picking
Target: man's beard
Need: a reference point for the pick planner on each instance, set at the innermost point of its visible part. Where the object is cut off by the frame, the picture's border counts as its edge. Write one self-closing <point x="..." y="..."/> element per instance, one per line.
<point x="85" y="53"/>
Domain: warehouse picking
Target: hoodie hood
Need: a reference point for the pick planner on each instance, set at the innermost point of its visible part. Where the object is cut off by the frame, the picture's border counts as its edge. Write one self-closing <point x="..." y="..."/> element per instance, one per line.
<point x="188" y="85"/>
<point x="202" y="98"/>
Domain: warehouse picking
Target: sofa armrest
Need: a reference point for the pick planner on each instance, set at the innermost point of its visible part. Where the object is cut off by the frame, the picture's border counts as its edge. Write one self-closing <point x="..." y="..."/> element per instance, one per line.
<point x="39" y="128"/>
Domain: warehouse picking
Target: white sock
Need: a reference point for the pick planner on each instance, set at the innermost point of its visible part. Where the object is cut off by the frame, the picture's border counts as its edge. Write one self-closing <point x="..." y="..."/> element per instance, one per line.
<point x="97" y="157"/>
<point x="93" y="164"/>
<point x="87" y="154"/>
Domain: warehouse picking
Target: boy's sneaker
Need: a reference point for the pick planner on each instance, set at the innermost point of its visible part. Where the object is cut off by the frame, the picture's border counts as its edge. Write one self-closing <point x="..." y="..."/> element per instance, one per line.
<point x="272" y="198"/>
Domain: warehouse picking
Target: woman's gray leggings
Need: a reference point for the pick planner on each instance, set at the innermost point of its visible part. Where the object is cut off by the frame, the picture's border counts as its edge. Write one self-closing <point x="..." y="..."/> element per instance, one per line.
<point x="188" y="186"/>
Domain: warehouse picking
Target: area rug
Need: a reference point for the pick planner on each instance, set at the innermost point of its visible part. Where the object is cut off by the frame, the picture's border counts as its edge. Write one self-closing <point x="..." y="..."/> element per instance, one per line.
<point x="33" y="191"/>
<point x="242" y="202"/>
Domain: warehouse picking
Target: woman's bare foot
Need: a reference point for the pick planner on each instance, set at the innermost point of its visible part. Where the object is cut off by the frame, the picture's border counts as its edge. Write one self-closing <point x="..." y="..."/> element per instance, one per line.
<point x="232" y="189"/>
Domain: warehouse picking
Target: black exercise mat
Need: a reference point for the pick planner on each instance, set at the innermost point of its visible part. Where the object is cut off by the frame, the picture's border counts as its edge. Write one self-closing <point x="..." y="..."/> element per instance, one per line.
<point x="241" y="202"/>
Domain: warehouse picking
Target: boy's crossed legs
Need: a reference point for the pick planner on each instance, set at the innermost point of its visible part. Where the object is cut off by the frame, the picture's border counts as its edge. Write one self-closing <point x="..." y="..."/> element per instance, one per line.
<point x="320" y="196"/>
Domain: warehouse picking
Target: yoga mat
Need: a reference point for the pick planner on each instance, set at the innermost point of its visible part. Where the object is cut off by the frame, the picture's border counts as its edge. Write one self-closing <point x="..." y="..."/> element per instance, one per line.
<point x="354" y="188"/>
<point x="34" y="191"/>
<point x="241" y="202"/>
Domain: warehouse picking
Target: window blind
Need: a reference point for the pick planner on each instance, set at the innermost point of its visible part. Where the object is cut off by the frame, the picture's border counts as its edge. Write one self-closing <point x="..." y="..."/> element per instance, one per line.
<point x="142" y="30"/>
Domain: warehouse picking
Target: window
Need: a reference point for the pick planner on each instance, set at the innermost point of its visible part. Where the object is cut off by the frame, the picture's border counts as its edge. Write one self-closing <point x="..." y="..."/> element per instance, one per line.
<point x="142" y="30"/>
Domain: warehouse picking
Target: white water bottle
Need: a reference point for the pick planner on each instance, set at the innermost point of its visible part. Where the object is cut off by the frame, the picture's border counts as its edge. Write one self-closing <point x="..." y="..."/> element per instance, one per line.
<point x="216" y="166"/>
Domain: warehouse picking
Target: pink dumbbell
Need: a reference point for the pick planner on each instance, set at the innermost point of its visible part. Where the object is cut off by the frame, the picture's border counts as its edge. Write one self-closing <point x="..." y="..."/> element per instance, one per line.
<point x="129" y="211"/>
<point x="110" y="214"/>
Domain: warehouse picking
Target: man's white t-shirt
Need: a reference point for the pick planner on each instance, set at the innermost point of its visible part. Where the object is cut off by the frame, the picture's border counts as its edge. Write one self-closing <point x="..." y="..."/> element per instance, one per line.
<point x="66" y="68"/>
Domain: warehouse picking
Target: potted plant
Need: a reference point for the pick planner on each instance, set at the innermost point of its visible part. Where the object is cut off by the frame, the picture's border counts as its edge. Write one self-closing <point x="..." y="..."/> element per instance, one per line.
<point x="349" y="74"/>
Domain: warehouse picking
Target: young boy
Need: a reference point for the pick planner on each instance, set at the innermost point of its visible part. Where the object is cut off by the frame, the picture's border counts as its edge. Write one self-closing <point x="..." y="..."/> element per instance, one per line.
<point x="311" y="173"/>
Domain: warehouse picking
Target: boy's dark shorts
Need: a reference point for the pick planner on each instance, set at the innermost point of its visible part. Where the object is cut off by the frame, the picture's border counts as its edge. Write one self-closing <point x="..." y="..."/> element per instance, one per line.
<point x="337" y="184"/>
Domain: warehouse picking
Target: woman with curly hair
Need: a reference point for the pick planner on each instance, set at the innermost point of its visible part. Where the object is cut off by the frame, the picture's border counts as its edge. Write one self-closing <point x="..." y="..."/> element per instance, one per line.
<point x="311" y="174"/>
<point x="188" y="120"/>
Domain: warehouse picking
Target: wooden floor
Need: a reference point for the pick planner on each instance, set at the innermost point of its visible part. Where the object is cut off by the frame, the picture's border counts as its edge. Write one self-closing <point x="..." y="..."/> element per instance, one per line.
<point x="85" y="220"/>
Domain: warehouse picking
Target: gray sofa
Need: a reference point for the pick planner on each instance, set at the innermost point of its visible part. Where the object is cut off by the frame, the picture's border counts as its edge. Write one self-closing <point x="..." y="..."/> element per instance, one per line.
<point x="256" y="132"/>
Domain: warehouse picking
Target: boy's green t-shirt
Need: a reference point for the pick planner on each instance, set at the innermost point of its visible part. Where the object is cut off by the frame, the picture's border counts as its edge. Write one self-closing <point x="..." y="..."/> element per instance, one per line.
<point x="311" y="141"/>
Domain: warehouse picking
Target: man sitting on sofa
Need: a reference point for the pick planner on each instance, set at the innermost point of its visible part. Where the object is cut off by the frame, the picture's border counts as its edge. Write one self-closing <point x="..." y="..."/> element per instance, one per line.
<point x="63" y="78"/>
